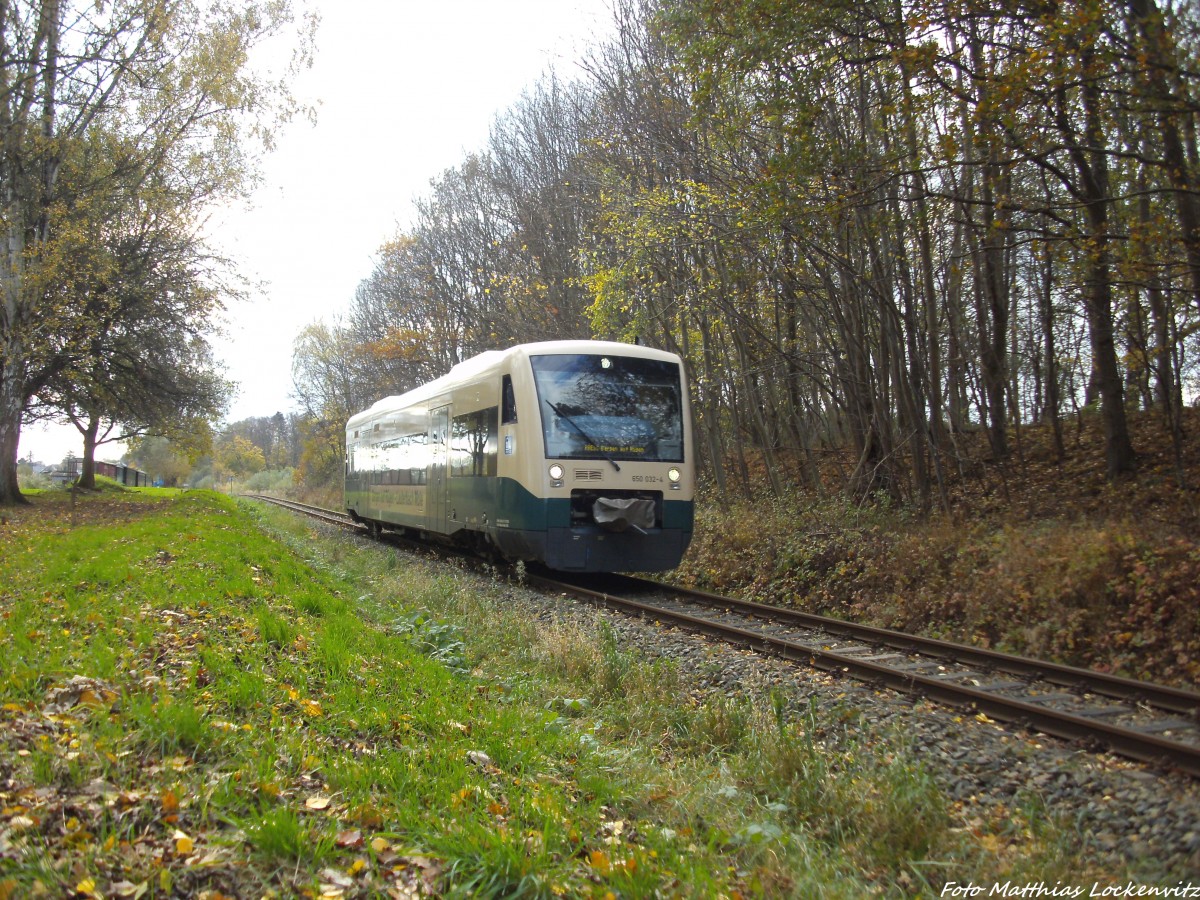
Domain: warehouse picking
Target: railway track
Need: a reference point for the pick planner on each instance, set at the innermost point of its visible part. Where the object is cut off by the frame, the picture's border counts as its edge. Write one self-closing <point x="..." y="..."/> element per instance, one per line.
<point x="315" y="512"/>
<point x="1140" y="720"/>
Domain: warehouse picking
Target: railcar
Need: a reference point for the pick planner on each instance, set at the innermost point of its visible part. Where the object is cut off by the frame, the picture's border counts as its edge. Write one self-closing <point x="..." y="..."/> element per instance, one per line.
<point x="575" y="454"/>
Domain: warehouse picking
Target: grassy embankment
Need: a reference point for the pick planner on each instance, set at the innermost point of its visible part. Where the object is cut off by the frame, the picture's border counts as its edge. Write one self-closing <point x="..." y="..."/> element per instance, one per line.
<point x="201" y="696"/>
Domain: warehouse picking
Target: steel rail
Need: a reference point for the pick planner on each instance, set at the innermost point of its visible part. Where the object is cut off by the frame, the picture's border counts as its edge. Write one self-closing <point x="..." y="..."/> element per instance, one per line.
<point x="1164" y="697"/>
<point x="316" y="512"/>
<point x="1124" y="741"/>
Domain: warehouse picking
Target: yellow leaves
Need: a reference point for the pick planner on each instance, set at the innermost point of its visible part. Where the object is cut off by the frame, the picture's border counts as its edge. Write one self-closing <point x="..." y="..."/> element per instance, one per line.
<point x="311" y="708"/>
<point x="183" y="844"/>
<point x="75" y="834"/>
<point x="606" y="865"/>
<point x="170" y="807"/>
<point x="308" y="706"/>
<point x="599" y="861"/>
<point x="317" y="802"/>
<point x="991" y="843"/>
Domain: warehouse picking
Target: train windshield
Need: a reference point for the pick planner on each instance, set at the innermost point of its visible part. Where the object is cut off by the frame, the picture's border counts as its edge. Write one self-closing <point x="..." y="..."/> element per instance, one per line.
<point x="610" y="407"/>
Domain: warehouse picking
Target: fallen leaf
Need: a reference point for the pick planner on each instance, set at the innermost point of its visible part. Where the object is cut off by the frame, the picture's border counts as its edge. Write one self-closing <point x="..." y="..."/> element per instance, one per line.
<point x="336" y="878"/>
<point x="351" y="838"/>
<point x="311" y="708"/>
<point x="183" y="844"/>
<point x="317" y="802"/>
<point x="367" y="816"/>
<point x="599" y="861"/>
<point x="431" y="870"/>
<point x="479" y="758"/>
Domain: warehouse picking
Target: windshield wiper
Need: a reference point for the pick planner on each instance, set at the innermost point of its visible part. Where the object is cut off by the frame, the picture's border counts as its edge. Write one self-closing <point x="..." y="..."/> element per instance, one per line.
<point x="587" y="437"/>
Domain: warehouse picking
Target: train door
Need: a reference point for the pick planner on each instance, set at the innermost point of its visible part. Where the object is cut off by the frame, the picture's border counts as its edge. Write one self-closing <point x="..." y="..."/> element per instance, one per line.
<point x="439" y="470"/>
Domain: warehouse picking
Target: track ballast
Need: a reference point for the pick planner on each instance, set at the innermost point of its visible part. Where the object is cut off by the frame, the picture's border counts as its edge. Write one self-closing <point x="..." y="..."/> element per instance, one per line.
<point x="1152" y="723"/>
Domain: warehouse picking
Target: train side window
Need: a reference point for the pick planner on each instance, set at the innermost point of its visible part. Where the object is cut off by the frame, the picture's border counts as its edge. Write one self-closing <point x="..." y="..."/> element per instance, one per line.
<point x="473" y="444"/>
<point x="508" y="415"/>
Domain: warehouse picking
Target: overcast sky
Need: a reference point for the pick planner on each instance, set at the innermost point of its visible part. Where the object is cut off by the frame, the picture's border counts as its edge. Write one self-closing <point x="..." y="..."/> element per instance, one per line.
<point x="404" y="89"/>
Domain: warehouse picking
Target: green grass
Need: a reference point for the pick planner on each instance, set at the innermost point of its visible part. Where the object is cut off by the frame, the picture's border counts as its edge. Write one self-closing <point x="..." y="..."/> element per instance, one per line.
<point x="272" y="706"/>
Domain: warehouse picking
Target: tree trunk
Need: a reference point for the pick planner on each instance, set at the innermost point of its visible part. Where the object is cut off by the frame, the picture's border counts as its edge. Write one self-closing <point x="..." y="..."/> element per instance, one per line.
<point x="1163" y="60"/>
<point x="10" y="436"/>
<point x="26" y="203"/>
<point x="1091" y="163"/>
<point x="12" y="370"/>
<point x="989" y="241"/>
<point x="1052" y="400"/>
<point x="87" y="475"/>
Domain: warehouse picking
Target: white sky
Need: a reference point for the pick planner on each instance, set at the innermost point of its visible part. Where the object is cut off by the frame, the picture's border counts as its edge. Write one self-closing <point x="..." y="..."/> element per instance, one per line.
<point x="405" y="89"/>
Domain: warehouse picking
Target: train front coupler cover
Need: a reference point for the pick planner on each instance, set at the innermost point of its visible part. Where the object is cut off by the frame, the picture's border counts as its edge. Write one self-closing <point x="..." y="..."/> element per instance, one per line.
<point x="622" y="513"/>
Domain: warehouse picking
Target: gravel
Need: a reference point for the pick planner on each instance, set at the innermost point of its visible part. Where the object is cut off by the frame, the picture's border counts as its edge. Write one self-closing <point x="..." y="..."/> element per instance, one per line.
<point x="1127" y="814"/>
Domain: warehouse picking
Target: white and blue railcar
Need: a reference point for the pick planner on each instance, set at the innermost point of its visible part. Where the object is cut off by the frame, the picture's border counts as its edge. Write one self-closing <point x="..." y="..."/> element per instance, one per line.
<point x="575" y="454"/>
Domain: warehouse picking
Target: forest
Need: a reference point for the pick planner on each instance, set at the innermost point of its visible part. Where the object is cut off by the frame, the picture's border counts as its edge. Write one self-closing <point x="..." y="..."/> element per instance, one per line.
<point x="872" y="229"/>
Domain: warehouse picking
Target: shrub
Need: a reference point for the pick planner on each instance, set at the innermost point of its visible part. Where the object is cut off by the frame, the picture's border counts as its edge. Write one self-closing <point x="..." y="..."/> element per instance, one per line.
<point x="271" y="480"/>
<point x="1105" y="592"/>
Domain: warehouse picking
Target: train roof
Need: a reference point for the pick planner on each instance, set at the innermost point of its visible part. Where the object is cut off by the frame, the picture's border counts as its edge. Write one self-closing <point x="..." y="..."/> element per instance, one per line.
<point x="493" y="359"/>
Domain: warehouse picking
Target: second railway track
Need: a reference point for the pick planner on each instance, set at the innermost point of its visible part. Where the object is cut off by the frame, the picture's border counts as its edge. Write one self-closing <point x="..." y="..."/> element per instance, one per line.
<point x="1153" y="723"/>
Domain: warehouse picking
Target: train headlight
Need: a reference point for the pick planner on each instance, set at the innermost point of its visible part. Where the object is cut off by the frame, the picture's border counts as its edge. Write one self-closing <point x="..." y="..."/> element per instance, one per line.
<point x="673" y="476"/>
<point x="556" y="475"/>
